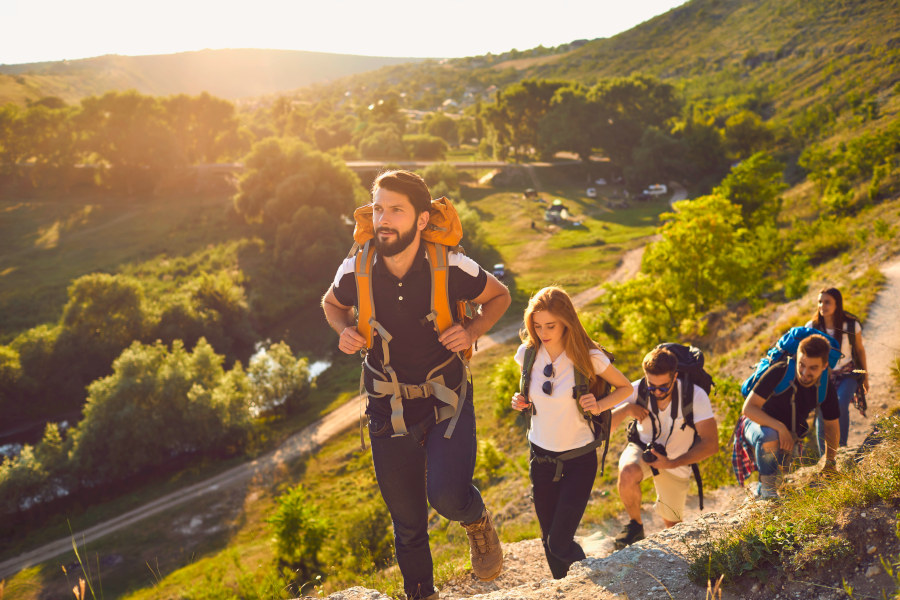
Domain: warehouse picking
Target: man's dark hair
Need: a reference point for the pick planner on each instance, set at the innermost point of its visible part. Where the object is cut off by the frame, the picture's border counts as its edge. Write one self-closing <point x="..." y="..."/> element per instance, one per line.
<point x="407" y="183"/>
<point x="660" y="361"/>
<point x="815" y="346"/>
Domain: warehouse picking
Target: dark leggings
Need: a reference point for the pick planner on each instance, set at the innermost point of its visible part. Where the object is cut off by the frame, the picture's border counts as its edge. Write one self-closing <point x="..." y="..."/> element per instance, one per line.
<point x="560" y="505"/>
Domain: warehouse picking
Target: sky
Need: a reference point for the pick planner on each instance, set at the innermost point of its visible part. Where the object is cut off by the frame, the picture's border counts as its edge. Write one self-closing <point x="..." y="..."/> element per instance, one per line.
<point x="47" y="30"/>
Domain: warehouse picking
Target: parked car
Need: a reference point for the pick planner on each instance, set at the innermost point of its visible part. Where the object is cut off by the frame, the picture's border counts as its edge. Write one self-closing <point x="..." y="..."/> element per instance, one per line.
<point x="591" y="192"/>
<point x="656" y="189"/>
<point x="499" y="271"/>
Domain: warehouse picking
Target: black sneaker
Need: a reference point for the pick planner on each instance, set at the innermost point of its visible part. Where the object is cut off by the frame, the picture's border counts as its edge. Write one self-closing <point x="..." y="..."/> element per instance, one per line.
<point x="631" y="533"/>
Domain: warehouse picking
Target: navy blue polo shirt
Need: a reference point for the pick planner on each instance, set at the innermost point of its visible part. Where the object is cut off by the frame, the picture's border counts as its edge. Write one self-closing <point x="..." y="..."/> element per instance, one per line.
<point x="778" y="406"/>
<point x="401" y="306"/>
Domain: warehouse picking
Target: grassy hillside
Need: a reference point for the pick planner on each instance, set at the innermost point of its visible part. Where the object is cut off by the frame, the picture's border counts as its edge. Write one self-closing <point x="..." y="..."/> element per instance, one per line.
<point x="231" y="73"/>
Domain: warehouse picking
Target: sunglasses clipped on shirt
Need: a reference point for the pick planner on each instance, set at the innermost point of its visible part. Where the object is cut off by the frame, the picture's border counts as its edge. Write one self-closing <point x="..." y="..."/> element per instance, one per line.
<point x="549" y="372"/>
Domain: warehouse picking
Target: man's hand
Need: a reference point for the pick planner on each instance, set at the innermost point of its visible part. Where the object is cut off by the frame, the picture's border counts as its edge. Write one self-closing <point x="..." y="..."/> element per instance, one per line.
<point x="661" y="462"/>
<point x="520" y="402"/>
<point x="635" y="411"/>
<point x="456" y="338"/>
<point x="785" y="438"/>
<point x="351" y="341"/>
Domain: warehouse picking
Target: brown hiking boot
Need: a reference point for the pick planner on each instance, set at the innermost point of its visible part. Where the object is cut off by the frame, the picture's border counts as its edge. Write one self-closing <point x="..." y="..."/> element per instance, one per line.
<point x="484" y="546"/>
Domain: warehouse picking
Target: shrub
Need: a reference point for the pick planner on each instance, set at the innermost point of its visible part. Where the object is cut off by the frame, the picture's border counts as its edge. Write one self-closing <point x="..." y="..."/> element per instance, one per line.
<point x="300" y="531"/>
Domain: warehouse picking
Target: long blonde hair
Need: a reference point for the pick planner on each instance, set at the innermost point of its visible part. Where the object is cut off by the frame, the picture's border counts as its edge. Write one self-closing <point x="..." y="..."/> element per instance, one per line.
<point x="577" y="343"/>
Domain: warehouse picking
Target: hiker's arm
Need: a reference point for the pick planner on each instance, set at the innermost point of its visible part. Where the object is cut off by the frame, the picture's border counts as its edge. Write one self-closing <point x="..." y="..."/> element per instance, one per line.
<point x="623" y="390"/>
<point x="494" y="301"/>
<point x="753" y="410"/>
<point x="832" y="437"/>
<point x="628" y="409"/>
<point x="343" y="321"/>
<point x="863" y="362"/>
<point x="706" y="446"/>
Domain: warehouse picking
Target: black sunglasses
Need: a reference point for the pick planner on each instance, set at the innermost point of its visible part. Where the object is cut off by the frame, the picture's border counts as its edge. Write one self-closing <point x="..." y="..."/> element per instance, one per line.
<point x="663" y="389"/>
<point x="549" y="371"/>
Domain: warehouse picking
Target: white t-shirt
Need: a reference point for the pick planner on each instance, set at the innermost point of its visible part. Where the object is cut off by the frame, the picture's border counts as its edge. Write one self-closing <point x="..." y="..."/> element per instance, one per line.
<point x="671" y="435"/>
<point x="846" y="350"/>
<point x="558" y="425"/>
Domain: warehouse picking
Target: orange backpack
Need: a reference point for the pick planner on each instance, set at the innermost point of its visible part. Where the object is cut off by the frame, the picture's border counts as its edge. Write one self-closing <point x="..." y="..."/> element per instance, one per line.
<point x="443" y="232"/>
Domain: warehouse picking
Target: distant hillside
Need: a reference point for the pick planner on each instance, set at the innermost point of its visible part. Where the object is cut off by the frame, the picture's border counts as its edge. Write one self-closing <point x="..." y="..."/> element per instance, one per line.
<point x="224" y="73"/>
<point x="788" y="54"/>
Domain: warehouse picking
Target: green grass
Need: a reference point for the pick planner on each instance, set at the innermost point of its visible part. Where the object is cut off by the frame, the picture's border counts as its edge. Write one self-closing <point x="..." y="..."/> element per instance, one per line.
<point x="802" y="531"/>
<point x="46" y="244"/>
<point x="589" y="252"/>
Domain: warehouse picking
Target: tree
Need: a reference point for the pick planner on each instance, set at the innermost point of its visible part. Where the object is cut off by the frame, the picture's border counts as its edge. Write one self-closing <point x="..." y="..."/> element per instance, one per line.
<point x="277" y="379"/>
<point x="282" y="175"/>
<point x="628" y="106"/>
<point x="755" y="185"/>
<point x="383" y="143"/>
<point x="745" y="133"/>
<point x="300" y="531"/>
<point x="158" y="405"/>
<point x="129" y="135"/>
<point x="311" y="244"/>
<point x="103" y="315"/>
<point x="440" y="125"/>
<point x="425" y="147"/>
<point x="657" y="158"/>
<point x="205" y="128"/>
<point x="686" y="273"/>
<point x="570" y="123"/>
<point x="518" y="111"/>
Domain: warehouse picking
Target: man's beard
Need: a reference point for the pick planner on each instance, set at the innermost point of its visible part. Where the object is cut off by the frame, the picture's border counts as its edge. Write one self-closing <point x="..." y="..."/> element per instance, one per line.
<point x="385" y="248"/>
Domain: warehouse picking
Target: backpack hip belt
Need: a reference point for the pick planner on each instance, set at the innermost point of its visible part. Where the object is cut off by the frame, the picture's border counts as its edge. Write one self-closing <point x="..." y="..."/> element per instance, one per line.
<point x="560" y="460"/>
<point x="433" y="387"/>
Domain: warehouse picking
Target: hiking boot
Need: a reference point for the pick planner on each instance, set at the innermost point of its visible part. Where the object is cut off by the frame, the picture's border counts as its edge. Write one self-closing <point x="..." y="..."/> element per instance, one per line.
<point x="484" y="546"/>
<point x="631" y="533"/>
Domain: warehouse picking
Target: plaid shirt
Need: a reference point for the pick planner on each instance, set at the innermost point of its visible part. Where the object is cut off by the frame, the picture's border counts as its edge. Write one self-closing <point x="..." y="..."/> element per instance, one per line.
<point x="742" y="453"/>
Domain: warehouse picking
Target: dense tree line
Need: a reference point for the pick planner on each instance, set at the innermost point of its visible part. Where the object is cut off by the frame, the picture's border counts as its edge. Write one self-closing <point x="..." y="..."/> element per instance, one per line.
<point x="126" y="138"/>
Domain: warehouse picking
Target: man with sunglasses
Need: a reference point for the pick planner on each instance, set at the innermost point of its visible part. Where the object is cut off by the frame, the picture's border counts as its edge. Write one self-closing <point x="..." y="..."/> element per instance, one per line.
<point x="661" y="444"/>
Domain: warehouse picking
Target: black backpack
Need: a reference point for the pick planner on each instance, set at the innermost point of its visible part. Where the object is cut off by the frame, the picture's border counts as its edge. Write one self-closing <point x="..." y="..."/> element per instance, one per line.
<point x="690" y="373"/>
<point x="600" y="425"/>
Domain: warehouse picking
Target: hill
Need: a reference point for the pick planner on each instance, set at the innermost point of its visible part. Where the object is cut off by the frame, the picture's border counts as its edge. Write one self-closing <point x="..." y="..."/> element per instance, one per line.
<point x="778" y="54"/>
<point x="230" y="73"/>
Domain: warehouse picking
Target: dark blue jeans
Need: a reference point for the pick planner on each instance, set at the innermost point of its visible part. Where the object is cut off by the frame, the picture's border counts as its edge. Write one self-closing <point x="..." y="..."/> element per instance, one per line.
<point x="421" y="468"/>
<point x="846" y="388"/>
<point x="560" y="505"/>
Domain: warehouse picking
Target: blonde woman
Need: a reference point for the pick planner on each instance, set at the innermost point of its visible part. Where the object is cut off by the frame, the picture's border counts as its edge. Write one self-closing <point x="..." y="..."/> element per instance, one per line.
<point x="561" y="346"/>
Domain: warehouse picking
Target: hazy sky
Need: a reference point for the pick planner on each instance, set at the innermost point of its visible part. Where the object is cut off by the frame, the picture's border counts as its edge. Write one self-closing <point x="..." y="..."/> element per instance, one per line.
<point x="38" y="30"/>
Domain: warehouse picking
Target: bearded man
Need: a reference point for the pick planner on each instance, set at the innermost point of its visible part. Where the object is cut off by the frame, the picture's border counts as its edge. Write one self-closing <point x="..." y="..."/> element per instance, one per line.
<point x="417" y="459"/>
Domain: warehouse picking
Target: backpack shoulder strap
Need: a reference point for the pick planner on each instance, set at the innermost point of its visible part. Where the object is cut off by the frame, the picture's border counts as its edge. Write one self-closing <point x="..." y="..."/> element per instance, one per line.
<point x="687" y="402"/>
<point x="440" y="316"/>
<point x="527" y="364"/>
<point x="643" y="396"/>
<point x="365" y="258"/>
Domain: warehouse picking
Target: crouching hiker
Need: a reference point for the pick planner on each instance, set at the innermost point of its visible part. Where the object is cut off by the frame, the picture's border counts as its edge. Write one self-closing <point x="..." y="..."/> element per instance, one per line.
<point x="404" y="282"/>
<point x="673" y="430"/>
<point x="773" y="422"/>
<point x="565" y="382"/>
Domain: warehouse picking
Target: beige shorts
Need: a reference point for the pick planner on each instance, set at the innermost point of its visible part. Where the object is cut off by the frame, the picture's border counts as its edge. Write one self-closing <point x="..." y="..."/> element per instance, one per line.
<point x="671" y="490"/>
